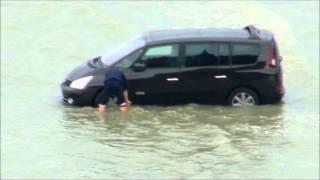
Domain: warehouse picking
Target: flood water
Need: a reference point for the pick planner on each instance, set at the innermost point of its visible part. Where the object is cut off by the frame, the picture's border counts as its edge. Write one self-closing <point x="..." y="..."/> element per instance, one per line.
<point x="40" y="138"/>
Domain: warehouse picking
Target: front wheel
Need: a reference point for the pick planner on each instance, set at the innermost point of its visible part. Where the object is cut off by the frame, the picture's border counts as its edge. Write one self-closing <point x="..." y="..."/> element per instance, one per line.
<point x="242" y="97"/>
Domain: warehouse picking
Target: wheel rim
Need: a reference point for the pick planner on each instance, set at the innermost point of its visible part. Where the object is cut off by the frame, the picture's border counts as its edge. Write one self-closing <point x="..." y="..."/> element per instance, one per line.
<point x="243" y="99"/>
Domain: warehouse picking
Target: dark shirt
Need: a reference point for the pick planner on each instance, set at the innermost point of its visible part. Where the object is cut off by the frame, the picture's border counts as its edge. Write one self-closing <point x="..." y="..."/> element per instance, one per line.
<point x="114" y="74"/>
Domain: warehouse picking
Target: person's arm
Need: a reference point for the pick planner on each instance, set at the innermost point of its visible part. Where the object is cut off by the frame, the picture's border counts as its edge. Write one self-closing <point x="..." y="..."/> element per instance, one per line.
<point x="125" y="92"/>
<point x="126" y="96"/>
<point x="102" y="102"/>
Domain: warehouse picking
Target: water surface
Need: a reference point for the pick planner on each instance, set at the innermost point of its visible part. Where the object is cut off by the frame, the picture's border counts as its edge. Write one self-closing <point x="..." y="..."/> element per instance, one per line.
<point x="40" y="138"/>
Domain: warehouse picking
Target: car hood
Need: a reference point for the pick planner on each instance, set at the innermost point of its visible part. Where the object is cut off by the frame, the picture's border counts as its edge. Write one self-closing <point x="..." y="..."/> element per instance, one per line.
<point x="91" y="67"/>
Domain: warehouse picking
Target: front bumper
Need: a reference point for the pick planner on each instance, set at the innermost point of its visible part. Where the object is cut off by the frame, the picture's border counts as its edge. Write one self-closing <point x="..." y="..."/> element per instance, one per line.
<point x="76" y="97"/>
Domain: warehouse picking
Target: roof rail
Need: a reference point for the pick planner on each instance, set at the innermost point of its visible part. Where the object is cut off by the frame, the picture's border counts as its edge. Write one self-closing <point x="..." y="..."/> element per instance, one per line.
<point x="253" y="31"/>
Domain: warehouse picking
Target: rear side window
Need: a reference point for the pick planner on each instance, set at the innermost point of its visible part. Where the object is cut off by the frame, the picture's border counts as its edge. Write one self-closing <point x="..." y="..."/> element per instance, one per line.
<point x="224" y="54"/>
<point x="201" y="55"/>
<point x="243" y="54"/>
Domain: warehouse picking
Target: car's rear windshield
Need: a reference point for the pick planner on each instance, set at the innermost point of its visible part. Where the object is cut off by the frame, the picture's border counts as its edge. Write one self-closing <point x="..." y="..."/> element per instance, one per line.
<point x="123" y="50"/>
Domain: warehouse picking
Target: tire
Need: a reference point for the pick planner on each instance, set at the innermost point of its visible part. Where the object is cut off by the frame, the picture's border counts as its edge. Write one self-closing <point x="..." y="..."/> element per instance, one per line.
<point x="242" y="97"/>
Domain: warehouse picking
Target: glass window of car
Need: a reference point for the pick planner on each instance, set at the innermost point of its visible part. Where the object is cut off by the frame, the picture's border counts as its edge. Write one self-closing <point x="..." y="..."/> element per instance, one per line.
<point x="129" y="60"/>
<point x="244" y="54"/>
<point x="161" y="56"/>
<point x="201" y="55"/>
<point x="224" y="54"/>
<point x="123" y="50"/>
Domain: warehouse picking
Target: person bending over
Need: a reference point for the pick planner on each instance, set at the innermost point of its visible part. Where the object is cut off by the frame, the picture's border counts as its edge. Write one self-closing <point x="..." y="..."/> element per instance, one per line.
<point x="115" y="85"/>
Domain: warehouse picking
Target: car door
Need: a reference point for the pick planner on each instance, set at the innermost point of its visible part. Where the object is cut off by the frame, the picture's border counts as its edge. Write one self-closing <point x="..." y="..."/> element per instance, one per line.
<point x="159" y="81"/>
<point x="202" y="76"/>
<point x="246" y="69"/>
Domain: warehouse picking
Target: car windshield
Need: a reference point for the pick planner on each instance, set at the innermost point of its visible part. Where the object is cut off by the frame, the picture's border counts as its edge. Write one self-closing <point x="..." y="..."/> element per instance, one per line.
<point x="123" y="50"/>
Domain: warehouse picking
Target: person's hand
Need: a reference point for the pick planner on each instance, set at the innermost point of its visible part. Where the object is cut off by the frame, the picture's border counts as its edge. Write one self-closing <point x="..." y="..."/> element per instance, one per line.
<point x="101" y="108"/>
<point x="128" y="102"/>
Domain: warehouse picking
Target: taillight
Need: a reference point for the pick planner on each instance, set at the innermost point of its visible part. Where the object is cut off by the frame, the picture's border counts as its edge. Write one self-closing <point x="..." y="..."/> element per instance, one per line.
<point x="271" y="58"/>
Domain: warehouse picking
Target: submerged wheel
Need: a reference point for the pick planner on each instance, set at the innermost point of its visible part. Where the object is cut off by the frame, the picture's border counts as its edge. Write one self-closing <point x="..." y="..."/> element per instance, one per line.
<point x="243" y="97"/>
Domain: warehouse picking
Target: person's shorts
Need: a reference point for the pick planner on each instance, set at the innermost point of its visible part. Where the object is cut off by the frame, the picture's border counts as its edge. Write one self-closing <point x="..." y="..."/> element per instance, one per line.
<point x="113" y="88"/>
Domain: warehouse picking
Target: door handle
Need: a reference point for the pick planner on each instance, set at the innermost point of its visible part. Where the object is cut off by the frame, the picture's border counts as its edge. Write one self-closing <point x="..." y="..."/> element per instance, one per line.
<point x="220" y="76"/>
<point x="172" y="79"/>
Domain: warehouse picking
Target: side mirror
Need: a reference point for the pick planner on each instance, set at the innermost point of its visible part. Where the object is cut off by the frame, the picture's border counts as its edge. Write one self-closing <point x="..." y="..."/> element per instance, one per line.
<point x="138" y="67"/>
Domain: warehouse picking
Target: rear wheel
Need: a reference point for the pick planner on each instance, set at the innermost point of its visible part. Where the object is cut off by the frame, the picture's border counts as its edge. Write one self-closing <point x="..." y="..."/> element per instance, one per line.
<point x="242" y="97"/>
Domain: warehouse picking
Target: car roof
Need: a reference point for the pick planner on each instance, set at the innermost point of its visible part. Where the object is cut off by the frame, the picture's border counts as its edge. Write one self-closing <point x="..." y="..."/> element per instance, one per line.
<point x="198" y="34"/>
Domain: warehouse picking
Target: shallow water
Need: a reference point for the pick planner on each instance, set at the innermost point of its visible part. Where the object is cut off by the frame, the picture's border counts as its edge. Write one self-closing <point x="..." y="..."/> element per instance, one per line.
<point x="40" y="138"/>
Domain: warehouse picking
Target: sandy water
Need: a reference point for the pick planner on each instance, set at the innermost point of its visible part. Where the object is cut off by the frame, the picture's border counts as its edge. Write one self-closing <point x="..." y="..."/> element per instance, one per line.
<point x="40" y="138"/>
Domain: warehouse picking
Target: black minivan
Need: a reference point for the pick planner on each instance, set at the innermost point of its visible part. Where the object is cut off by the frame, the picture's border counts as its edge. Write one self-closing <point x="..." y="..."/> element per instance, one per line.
<point x="237" y="67"/>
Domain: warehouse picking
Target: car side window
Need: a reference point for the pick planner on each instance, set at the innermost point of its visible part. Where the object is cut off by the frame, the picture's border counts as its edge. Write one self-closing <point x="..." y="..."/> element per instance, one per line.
<point x="201" y="55"/>
<point x="224" y="55"/>
<point x="161" y="56"/>
<point x="243" y="54"/>
<point x="129" y="60"/>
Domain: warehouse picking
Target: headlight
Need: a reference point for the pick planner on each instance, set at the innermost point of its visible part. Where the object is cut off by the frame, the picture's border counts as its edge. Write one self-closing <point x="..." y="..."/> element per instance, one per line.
<point x="81" y="83"/>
